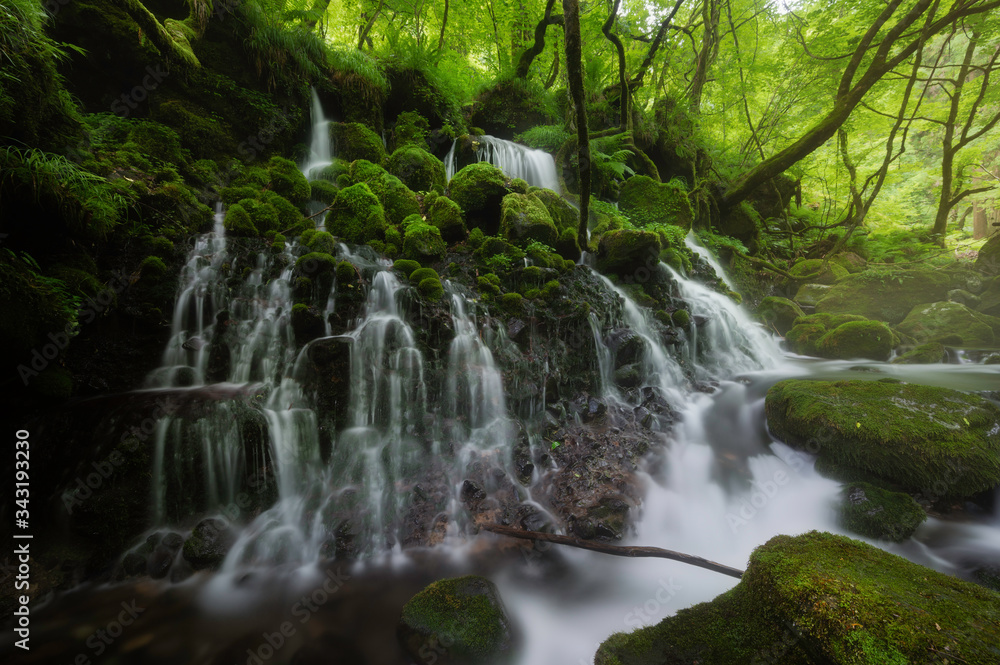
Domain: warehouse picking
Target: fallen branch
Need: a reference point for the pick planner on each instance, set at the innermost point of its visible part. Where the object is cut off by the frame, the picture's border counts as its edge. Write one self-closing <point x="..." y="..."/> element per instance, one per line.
<point x="616" y="550"/>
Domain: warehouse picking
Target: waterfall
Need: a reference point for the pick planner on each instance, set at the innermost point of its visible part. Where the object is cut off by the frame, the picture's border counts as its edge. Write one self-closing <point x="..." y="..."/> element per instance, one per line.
<point x="692" y="243"/>
<point x="319" y="141"/>
<point x="536" y="167"/>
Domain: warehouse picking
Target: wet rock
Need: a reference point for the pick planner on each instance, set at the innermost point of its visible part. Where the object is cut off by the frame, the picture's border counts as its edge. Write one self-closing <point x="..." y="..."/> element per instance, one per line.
<point x="625" y="345"/>
<point x="779" y="313"/>
<point x="810" y="294"/>
<point x="933" y="352"/>
<point x="877" y="513"/>
<point x="461" y="620"/>
<point x="629" y="376"/>
<point x="331" y="360"/>
<point x="208" y="544"/>
<point x="932" y="322"/>
<point x="963" y="297"/>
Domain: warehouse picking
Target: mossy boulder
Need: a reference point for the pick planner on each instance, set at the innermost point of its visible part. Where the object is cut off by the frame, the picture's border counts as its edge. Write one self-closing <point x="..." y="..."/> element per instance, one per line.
<point x="462" y="619"/>
<point x="416" y="168"/>
<point x="850" y="262"/>
<point x="238" y="222"/>
<point x="524" y="218"/>
<point x="431" y="288"/>
<point x="809" y="295"/>
<point x="563" y="215"/>
<point x="878" y="513"/>
<point x="938" y="441"/>
<point x="626" y="251"/>
<point x="406" y="266"/>
<point x="989" y="299"/>
<point x="208" y="544"/>
<point x="821" y="598"/>
<point x="322" y="191"/>
<point x="479" y="189"/>
<point x="356" y="141"/>
<point x="263" y="215"/>
<point x="932" y="352"/>
<point x="357" y="215"/>
<point x="939" y="320"/>
<point x="646" y="201"/>
<point x="447" y="217"/>
<point x="988" y="259"/>
<point x="287" y="180"/>
<point x="422" y="241"/>
<point x="814" y="271"/>
<point x="857" y="339"/>
<point x="885" y="296"/>
<point x="411" y="129"/>
<point x="779" y="313"/>
<point x="803" y="338"/>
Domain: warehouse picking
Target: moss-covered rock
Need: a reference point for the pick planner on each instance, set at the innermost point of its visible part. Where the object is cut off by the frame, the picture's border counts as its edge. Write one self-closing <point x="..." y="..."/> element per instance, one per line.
<point x="406" y="266"/>
<point x="924" y="439"/>
<point x="287" y="181"/>
<point x="479" y="189"/>
<point x="513" y="106"/>
<point x="356" y="141"/>
<point x="646" y="201"/>
<point x="307" y="323"/>
<point x="463" y="619"/>
<point x="447" y="217"/>
<point x="850" y="262"/>
<point x="524" y="218"/>
<point x="431" y="288"/>
<point x="803" y="338"/>
<point x="988" y="259"/>
<point x="821" y="598"/>
<point x="263" y="215"/>
<point x="208" y="544"/>
<point x="809" y="295"/>
<point x="422" y="241"/>
<point x="857" y="339"/>
<point x="416" y="168"/>
<point x="926" y="323"/>
<point x="886" y="297"/>
<point x="932" y="352"/>
<point x="322" y="191"/>
<point x="411" y="129"/>
<point x="779" y="313"/>
<point x="564" y="216"/>
<point x="878" y="513"/>
<point x="357" y="215"/>
<point x="238" y="222"/>
<point x="626" y="251"/>
<point x="814" y="271"/>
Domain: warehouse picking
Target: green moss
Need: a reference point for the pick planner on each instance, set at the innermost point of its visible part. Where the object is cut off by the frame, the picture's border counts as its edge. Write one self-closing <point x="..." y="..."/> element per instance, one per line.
<point x="420" y="274"/>
<point x="779" y="313"/>
<point x="847" y="602"/>
<point x="307" y="323"/>
<point x="934" y="440"/>
<point x="936" y="321"/>
<point x="464" y="613"/>
<point x="489" y="283"/>
<point x="431" y="288"/>
<point x="884" y="295"/>
<point x="321" y="241"/>
<point x="625" y="252"/>
<point x="316" y="263"/>
<point x="286" y="180"/>
<point x="347" y="273"/>
<point x="476" y="238"/>
<point x="880" y="514"/>
<point x="263" y="215"/>
<point x="157" y="141"/>
<point x="932" y="352"/>
<point x="152" y="266"/>
<point x="411" y="130"/>
<point x="159" y="246"/>
<point x="306" y="236"/>
<point x="646" y="201"/>
<point x="512" y="303"/>
<point x="857" y="339"/>
<point x="236" y="193"/>
<point x="681" y="318"/>
<point x="357" y="216"/>
<point x="406" y="266"/>
<point x="447" y="217"/>
<point x="201" y="134"/>
<point x="289" y="217"/>
<point x="356" y="141"/>
<point x="322" y="191"/>
<point x="416" y="168"/>
<point x="423" y="242"/>
<point x="238" y="222"/>
<point x="478" y="189"/>
<point x="523" y="219"/>
<point x="813" y="270"/>
<point x="568" y="245"/>
<point x="564" y="216"/>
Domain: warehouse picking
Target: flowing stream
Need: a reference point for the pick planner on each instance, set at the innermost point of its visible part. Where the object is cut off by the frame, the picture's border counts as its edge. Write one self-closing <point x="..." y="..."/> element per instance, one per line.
<point x="536" y="167"/>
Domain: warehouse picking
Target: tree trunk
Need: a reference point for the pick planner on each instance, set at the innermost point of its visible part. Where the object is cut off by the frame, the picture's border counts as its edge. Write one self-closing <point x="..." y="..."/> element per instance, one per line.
<point x="623" y="98"/>
<point x="636" y="82"/>
<point x="709" y="48"/>
<point x="444" y="23"/>
<point x="529" y="55"/>
<point x="574" y="71"/>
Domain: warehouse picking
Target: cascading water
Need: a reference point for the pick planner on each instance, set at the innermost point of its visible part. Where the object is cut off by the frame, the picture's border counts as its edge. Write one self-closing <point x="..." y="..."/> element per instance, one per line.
<point x="320" y="155"/>
<point x="536" y="167"/>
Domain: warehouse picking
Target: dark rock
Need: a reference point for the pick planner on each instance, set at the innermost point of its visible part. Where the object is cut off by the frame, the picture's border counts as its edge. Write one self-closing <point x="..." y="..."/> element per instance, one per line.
<point x="208" y="544"/>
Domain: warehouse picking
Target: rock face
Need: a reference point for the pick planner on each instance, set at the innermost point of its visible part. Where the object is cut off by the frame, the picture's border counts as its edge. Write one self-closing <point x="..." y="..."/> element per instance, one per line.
<point x="885" y="298"/>
<point x="626" y="251"/>
<point x="523" y="219"/>
<point x="877" y="513"/>
<point x="459" y="620"/>
<point x="780" y="313"/>
<point x="820" y="598"/>
<point x="952" y="320"/>
<point x="941" y="442"/>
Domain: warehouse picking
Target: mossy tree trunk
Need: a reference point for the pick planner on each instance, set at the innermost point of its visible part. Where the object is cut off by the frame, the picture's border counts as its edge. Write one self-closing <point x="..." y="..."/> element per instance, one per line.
<point x="529" y="55"/>
<point x="654" y="46"/>
<point x="574" y="72"/>
<point x="623" y="98"/>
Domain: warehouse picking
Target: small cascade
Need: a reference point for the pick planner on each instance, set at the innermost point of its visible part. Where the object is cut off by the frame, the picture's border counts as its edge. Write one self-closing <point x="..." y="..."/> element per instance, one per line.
<point x="692" y="243"/>
<point x="536" y="167"/>
<point x="723" y="340"/>
<point x="319" y="141"/>
<point x="475" y="395"/>
<point x="605" y="363"/>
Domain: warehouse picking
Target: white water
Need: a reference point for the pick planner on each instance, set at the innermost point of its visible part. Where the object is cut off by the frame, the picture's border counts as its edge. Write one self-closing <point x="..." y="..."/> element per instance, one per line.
<point x="320" y="155"/>
<point x="536" y="167"/>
